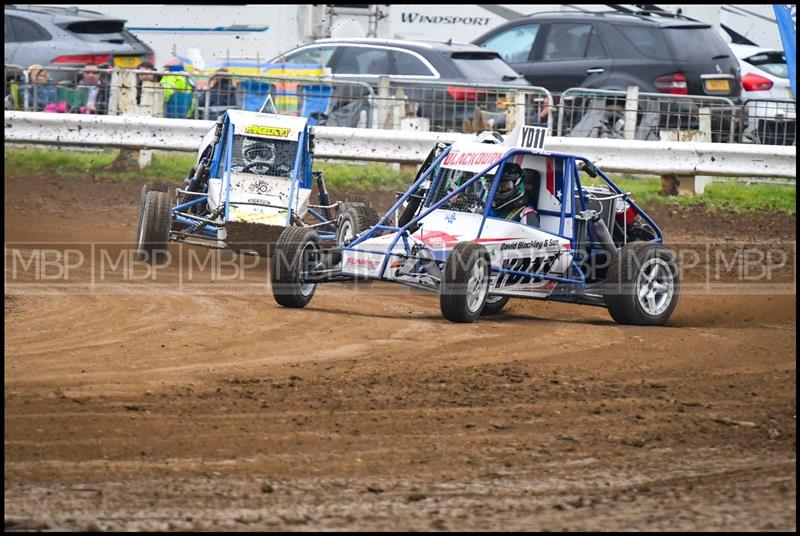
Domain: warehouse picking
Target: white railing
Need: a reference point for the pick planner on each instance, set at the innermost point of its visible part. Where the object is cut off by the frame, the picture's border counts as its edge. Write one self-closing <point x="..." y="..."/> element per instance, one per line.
<point x="628" y="156"/>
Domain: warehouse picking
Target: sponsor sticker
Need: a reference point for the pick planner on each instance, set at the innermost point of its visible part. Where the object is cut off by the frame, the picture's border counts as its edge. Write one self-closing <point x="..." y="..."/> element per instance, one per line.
<point x="258" y="130"/>
<point x="470" y="159"/>
<point x="361" y="263"/>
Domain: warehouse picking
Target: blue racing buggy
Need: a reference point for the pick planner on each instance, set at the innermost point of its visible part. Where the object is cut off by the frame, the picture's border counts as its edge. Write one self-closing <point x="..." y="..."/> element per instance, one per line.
<point x="253" y="178"/>
<point x="490" y="219"/>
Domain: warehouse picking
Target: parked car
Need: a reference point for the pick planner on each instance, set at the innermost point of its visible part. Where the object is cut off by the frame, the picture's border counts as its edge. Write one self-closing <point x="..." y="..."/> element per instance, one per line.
<point x="657" y="51"/>
<point x="660" y="54"/>
<point x="435" y="77"/>
<point x="767" y="94"/>
<point x="69" y="37"/>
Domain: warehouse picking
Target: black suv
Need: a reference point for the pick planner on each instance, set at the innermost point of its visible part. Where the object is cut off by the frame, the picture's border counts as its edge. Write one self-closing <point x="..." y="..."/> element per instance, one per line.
<point x="613" y="50"/>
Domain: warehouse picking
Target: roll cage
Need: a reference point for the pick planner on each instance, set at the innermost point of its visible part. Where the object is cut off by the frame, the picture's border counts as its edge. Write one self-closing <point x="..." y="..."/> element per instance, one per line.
<point x="572" y="183"/>
<point x="220" y="159"/>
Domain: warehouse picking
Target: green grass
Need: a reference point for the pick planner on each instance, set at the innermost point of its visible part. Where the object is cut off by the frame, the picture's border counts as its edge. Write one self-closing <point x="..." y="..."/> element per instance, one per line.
<point x="172" y="167"/>
<point x="371" y="176"/>
<point x="730" y="196"/>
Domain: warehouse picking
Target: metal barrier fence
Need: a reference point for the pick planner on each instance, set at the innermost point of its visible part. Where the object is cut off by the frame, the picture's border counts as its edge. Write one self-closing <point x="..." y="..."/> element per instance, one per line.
<point x="647" y="116"/>
<point x="627" y="156"/>
<point x="770" y="122"/>
<point x="426" y="106"/>
<point x="447" y="107"/>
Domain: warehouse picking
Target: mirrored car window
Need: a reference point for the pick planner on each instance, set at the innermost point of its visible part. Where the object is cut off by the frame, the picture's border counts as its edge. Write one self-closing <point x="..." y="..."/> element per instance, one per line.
<point x="26" y="31"/>
<point x="363" y="60"/>
<point x="408" y="65"/>
<point x="514" y="45"/>
<point x="566" y="40"/>
<point x="311" y="55"/>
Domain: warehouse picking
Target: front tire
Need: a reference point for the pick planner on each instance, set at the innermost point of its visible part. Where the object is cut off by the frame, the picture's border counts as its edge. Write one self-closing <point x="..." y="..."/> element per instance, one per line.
<point x="494" y="304"/>
<point x="296" y="252"/>
<point x="465" y="283"/>
<point x="643" y="284"/>
<point x="154" y="226"/>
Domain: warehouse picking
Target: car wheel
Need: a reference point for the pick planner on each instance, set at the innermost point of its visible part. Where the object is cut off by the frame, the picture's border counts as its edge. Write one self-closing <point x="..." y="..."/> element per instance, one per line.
<point x="353" y="220"/>
<point x="149" y="187"/>
<point x="465" y="283"/>
<point x="642" y="285"/>
<point x="154" y="226"/>
<point x="494" y="304"/>
<point x="297" y="251"/>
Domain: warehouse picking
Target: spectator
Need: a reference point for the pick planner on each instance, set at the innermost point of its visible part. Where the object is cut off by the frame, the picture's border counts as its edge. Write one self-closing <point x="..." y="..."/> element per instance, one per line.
<point x="41" y="93"/>
<point x="222" y="93"/>
<point x="145" y="77"/>
<point x="223" y="89"/>
<point x="178" y="91"/>
<point x="97" y="99"/>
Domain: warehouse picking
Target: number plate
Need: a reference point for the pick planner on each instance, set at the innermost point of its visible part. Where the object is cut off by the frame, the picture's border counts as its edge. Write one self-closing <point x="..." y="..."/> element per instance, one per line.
<point x="718" y="85"/>
<point x="127" y="62"/>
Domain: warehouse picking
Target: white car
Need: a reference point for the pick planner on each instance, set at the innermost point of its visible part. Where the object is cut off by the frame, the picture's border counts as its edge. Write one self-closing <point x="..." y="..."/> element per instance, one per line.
<point x="767" y="94"/>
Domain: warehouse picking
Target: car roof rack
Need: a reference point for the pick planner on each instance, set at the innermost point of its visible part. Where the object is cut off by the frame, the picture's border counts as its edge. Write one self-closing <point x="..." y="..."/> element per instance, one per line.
<point x="647" y="10"/>
<point x="643" y="13"/>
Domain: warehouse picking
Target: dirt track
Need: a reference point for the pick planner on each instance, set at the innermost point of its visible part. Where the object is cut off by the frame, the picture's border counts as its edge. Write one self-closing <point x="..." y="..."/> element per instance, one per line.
<point x="196" y="402"/>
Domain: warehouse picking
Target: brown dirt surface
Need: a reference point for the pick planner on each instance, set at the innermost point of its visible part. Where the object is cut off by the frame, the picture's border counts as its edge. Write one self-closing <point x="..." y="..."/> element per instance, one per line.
<point x="186" y="399"/>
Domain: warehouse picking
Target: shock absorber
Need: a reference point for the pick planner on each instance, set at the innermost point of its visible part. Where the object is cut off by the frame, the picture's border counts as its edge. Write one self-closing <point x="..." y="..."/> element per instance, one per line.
<point x="324" y="198"/>
<point x="204" y="166"/>
<point x="603" y="235"/>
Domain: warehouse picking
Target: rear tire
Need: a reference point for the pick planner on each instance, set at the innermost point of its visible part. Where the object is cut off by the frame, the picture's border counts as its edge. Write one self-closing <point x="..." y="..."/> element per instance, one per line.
<point x="154" y="226"/>
<point x="353" y="220"/>
<point x="642" y="285"/>
<point x="296" y="251"/>
<point x="465" y="283"/>
<point x="494" y="304"/>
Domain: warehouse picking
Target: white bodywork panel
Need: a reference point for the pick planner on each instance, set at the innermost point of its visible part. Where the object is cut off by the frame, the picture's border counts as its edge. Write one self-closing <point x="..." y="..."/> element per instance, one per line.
<point x="259" y="192"/>
<point x="511" y="245"/>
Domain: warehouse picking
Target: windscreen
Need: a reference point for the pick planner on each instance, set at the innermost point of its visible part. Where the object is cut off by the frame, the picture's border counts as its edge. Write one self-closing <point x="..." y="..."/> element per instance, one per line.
<point x="696" y="43"/>
<point x="485" y="67"/>
<point x="96" y="27"/>
<point x="263" y="156"/>
<point x="473" y="199"/>
<point x="772" y="62"/>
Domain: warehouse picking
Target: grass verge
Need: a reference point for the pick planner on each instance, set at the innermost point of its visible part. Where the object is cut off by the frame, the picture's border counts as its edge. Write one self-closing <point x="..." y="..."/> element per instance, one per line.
<point x="732" y="196"/>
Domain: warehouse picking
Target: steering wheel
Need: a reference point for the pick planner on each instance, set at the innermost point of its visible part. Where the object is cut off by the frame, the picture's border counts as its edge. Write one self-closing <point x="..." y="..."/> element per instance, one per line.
<point x="470" y="201"/>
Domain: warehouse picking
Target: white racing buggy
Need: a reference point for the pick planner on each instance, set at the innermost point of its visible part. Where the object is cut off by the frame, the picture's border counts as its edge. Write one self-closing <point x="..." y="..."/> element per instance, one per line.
<point x="252" y="179"/>
<point x="484" y="222"/>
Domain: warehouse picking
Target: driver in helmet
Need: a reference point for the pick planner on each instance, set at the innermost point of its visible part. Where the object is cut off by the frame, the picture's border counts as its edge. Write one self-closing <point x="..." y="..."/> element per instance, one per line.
<point x="511" y="200"/>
